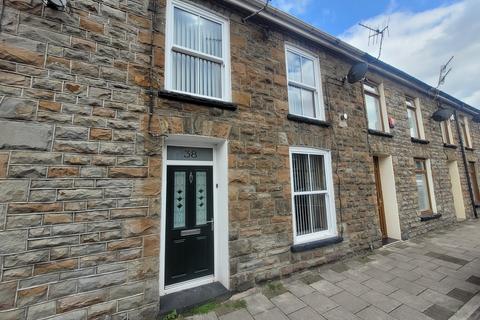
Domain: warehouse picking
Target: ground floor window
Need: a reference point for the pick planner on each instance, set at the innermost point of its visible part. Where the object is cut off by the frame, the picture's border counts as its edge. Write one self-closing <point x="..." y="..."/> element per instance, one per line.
<point x="312" y="195"/>
<point x="423" y="188"/>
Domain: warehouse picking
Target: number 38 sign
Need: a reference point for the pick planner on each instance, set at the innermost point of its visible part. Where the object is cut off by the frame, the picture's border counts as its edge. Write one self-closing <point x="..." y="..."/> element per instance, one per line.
<point x="189" y="154"/>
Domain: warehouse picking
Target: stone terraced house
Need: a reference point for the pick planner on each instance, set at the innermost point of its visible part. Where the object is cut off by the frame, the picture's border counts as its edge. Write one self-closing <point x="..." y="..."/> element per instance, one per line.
<point x="147" y="148"/>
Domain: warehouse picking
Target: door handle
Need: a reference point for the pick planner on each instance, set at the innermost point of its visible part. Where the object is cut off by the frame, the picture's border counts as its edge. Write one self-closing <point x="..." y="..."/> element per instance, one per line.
<point x="211" y="223"/>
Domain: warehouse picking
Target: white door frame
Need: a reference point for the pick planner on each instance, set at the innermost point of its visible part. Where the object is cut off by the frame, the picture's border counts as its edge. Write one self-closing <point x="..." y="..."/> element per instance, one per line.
<point x="220" y="209"/>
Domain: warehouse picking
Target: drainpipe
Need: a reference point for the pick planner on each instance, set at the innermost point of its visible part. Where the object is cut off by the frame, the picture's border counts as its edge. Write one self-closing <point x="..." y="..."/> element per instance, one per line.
<point x="465" y="164"/>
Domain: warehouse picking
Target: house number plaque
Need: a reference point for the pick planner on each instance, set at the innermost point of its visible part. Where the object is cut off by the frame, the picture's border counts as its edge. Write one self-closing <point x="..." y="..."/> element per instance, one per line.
<point x="189" y="154"/>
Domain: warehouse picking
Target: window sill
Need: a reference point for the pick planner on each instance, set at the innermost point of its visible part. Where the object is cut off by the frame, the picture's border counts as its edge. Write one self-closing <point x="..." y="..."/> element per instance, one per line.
<point x="315" y="244"/>
<point x="182" y="97"/>
<point x="420" y="141"/>
<point x="380" y="133"/>
<point x="450" y="146"/>
<point x="317" y="122"/>
<point x="429" y="217"/>
<point x="469" y="149"/>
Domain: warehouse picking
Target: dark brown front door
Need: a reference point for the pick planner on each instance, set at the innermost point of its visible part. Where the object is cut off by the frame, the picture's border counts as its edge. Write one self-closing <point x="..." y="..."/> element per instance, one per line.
<point x="189" y="222"/>
<point x="380" y="205"/>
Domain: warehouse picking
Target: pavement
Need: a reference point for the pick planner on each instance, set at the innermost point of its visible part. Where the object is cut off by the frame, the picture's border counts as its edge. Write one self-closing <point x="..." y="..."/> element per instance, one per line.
<point x="435" y="276"/>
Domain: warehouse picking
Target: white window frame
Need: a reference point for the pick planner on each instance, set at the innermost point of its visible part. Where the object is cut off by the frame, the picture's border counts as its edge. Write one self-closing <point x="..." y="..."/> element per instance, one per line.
<point x="170" y="47"/>
<point x="468" y="139"/>
<point x="329" y="201"/>
<point x="415" y="104"/>
<point x="383" y="103"/>
<point x="447" y="133"/>
<point x="319" y="104"/>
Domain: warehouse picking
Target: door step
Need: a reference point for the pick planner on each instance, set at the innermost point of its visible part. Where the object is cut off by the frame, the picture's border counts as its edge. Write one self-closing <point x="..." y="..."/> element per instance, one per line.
<point x="185" y="300"/>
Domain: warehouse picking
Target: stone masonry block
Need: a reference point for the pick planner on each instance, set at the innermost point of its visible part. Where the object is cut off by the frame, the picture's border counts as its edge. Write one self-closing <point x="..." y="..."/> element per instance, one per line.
<point x="79" y="194"/>
<point x="14" y="108"/>
<point x="12" y="241"/>
<point x="102" y="281"/>
<point x="13" y="190"/>
<point x="19" y="135"/>
<point x="8" y="291"/>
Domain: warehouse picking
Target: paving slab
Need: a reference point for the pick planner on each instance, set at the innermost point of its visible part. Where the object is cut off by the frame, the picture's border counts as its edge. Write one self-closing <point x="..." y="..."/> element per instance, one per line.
<point x="442" y="300"/>
<point x="319" y="302"/>
<point x="406" y="313"/>
<point x="380" y="286"/>
<point x="381" y="301"/>
<point x="411" y="300"/>
<point x="438" y="312"/>
<point x="408" y="286"/>
<point x="299" y="288"/>
<point x="326" y="288"/>
<point x="306" y="313"/>
<point x="340" y="313"/>
<point x="288" y="303"/>
<point x="258" y="303"/>
<point x="372" y="313"/>
<point x="241" y="314"/>
<point x="350" y="302"/>
<point x="273" y="314"/>
<point x="354" y="287"/>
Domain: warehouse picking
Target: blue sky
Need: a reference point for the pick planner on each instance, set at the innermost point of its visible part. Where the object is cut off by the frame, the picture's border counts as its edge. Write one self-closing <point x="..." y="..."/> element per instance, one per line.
<point x="424" y="34"/>
<point x="335" y="17"/>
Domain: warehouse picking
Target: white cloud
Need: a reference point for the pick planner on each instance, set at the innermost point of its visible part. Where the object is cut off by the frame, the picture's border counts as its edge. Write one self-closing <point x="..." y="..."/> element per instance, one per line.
<point x="292" y="7"/>
<point x="419" y="43"/>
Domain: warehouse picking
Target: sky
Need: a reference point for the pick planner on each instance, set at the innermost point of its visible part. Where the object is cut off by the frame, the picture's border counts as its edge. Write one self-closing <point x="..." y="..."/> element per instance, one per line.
<point x="423" y="35"/>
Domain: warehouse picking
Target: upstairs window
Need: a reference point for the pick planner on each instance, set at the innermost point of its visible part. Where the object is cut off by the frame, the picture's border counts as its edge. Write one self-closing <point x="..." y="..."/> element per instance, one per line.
<point x="447" y="134"/>
<point x="376" y="111"/>
<point x="197" y="61"/>
<point x="313" y="200"/>
<point x="304" y="90"/>
<point x="414" y="119"/>
<point x="465" y="131"/>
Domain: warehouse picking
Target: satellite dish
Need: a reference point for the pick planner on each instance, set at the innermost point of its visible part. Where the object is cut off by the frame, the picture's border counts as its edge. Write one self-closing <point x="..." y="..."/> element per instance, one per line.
<point x="56" y="4"/>
<point x="442" y="115"/>
<point x="357" y="72"/>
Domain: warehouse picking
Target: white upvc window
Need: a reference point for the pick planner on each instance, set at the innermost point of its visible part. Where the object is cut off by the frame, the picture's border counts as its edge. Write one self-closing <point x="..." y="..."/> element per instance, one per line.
<point x="305" y="96"/>
<point x="376" y="107"/>
<point x="313" y="200"/>
<point x="465" y="131"/>
<point x="197" y="52"/>
<point x="447" y="133"/>
<point x="415" y="119"/>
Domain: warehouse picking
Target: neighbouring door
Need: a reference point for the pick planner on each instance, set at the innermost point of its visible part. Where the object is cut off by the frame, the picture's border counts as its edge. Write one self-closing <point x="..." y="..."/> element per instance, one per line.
<point x="189" y="249"/>
<point x="381" y="206"/>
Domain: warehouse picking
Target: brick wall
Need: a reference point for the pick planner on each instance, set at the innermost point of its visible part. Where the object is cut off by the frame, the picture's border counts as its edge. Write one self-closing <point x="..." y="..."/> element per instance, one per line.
<point x="81" y="159"/>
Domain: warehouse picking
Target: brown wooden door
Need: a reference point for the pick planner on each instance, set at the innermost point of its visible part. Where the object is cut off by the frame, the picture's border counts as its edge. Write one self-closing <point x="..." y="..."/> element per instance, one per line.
<point x="380" y="205"/>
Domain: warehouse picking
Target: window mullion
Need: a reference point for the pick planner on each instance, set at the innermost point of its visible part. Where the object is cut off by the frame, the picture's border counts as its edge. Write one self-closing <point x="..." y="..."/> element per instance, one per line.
<point x="310" y="196"/>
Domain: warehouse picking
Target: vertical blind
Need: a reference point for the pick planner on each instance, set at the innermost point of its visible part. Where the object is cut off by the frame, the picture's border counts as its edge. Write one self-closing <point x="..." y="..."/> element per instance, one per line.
<point x="310" y="194"/>
<point x="197" y="67"/>
<point x="302" y="85"/>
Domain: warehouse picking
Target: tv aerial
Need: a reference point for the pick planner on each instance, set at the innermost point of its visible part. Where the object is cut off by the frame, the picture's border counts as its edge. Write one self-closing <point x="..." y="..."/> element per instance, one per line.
<point x="444" y="72"/>
<point x="442" y="113"/>
<point x="377" y="35"/>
